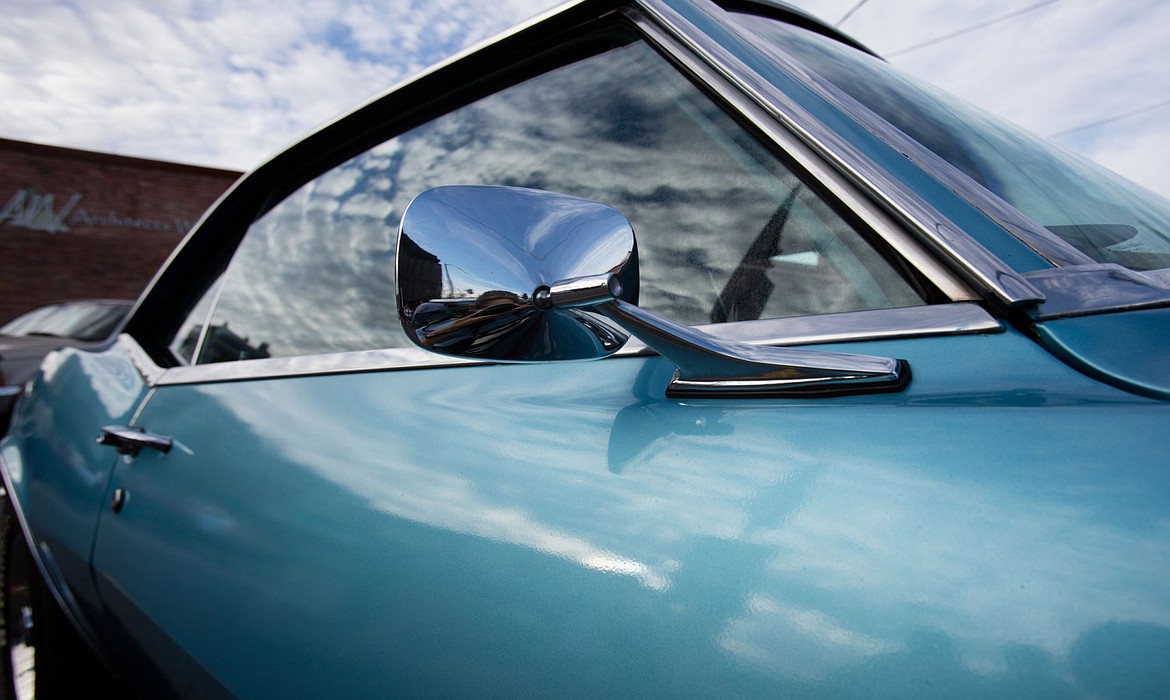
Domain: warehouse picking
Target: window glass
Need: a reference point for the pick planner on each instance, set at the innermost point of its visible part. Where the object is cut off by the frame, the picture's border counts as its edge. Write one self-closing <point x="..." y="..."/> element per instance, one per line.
<point x="1096" y="211"/>
<point x="80" y="320"/>
<point x="725" y="231"/>
<point x="185" y="342"/>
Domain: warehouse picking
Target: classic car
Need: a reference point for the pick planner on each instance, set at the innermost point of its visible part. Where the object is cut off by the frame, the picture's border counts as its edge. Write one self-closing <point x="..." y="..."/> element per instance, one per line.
<point x="26" y="339"/>
<point x="655" y="348"/>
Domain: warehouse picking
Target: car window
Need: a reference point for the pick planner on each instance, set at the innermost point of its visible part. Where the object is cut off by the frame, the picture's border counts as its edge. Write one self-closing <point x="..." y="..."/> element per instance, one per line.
<point x="81" y="320"/>
<point x="1096" y="211"/>
<point x="725" y="231"/>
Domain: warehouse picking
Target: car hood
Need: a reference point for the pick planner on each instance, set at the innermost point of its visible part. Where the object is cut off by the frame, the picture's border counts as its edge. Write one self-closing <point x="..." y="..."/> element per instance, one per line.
<point x="31" y="345"/>
<point x="20" y="356"/>
<point x="1124" y="349"/>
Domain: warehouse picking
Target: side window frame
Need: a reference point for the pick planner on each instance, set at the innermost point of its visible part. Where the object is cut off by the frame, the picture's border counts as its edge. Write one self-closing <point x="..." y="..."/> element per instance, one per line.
<point x="211" y="245"/>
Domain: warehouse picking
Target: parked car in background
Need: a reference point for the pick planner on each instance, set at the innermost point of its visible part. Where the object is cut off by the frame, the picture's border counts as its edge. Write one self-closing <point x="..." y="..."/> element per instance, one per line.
<point x="26" y="339"/>
<point x="877" y="405"/>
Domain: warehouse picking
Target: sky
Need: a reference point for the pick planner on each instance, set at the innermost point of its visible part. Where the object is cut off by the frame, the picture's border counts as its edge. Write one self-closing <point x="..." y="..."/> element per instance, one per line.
<point x="227" y="83"/>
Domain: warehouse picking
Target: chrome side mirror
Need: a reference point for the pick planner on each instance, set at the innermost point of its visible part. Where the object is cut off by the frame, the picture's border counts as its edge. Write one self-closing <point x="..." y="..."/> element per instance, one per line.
<point x="476" y="267"/>
<point x="511" y="274"/>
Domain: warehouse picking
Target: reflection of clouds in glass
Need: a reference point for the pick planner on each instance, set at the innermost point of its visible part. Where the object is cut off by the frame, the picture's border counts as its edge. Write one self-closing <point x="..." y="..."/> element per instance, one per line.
<point x="622" y="128"/>
<point x="314" y="274"/>
<point x="694" y="187"/>
<point x="337" y="184"/>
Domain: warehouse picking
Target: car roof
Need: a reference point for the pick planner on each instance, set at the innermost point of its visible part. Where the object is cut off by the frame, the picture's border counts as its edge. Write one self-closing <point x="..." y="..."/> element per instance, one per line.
<point x="794" y="16"/>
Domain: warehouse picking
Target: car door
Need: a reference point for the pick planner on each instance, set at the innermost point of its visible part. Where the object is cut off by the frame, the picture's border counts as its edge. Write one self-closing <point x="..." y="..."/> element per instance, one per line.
<point x="329" y="511"/>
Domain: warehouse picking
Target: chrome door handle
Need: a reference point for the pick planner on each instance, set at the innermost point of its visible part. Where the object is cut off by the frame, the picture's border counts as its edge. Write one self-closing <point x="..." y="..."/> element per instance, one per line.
<point x="130" y="441"/>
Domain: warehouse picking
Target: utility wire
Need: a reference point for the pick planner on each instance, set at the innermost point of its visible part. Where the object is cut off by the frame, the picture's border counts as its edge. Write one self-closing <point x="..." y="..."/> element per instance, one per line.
<point x="1003" y="18"/>
<point x="1110" y="120"/>
<point x="967" y="30"/>
<point x="850" y="13"/>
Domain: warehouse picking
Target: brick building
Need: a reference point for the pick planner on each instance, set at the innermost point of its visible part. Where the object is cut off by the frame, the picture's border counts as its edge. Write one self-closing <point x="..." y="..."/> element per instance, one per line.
<point x="78" y="224"/>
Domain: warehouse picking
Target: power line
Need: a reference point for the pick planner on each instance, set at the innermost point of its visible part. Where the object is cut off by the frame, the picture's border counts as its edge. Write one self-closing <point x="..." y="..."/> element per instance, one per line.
<point x="968" y="30"/>
<point x="1110" y="120"/>
<point x="850" y="13"/>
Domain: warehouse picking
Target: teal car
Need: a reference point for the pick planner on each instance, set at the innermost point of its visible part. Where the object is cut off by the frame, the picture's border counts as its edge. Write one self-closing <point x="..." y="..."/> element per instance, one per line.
<point x="663" y="348"/>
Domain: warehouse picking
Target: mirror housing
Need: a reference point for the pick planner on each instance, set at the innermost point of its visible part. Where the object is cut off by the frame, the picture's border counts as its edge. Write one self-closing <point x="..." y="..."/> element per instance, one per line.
<point x="520" y="275"/>
<point x="475" y="266"/>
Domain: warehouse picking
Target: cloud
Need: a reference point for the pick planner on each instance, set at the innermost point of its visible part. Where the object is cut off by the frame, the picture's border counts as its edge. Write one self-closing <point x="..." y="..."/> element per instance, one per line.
<point x="228" y="83"/>
<point x="216" y="83"/>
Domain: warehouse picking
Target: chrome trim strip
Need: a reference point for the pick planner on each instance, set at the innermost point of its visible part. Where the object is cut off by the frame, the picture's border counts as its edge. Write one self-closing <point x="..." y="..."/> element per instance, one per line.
<point x="151" y="372"/>
<point x="1050" y="246"/>
<point x="337" y="363"/>
<point x="219" y="285"/>
<point x="822" y="387"/>
<point x="977" y="265"/>
<point x="1097" y="288"/>
<point x="856" y="326"/>
<point x="708" y="364"/>
<point x="142" y="405"/>
<point x="845" y="191"/>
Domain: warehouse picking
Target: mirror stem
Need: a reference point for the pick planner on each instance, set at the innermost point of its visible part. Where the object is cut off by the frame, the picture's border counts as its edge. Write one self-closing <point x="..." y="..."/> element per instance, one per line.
<point x="708" y="366"/>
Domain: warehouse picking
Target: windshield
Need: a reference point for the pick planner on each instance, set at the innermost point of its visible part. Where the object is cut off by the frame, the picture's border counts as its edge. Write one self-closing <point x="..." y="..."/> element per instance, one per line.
<point x="1101" y="214"/>
<point x="87" y="321"/>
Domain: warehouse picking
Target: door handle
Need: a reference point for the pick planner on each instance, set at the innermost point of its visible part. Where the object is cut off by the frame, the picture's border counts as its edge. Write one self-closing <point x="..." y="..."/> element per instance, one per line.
<point x="130" y="441"/>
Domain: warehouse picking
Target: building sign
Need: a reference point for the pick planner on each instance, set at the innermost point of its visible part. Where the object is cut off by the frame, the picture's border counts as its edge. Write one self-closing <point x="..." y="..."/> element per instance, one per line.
<point x="27" y="209"/>
<point x="40" y="212"/>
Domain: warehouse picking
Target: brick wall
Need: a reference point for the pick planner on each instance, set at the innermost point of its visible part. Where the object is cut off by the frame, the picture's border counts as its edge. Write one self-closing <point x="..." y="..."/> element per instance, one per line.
<point x="77" y="224"/>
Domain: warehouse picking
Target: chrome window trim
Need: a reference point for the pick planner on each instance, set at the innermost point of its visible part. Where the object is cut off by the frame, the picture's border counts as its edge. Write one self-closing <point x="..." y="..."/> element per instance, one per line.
<point x="974" y="262"/>
<point x="1047" y="244"/>
<point x="856" y="326"/>
<point x="197" y="352"/>
<point x="884" y="225"/>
